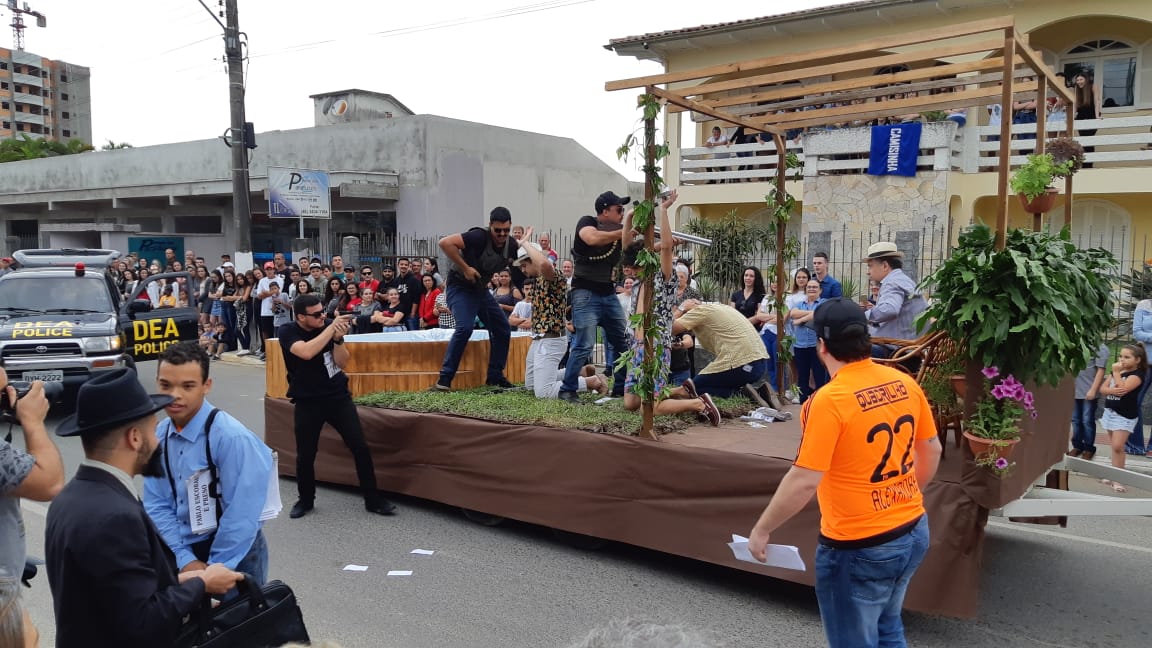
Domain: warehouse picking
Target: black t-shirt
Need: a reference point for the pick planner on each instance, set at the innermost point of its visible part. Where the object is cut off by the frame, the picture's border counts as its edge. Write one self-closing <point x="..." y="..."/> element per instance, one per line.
<point x="315" y="378"/>
<point x="410" y="289"/>
<point x="1127" y="405"/>
<point x="747" y="307"/>
<point x="476" y="243"/>
<point x="609" y="258"/>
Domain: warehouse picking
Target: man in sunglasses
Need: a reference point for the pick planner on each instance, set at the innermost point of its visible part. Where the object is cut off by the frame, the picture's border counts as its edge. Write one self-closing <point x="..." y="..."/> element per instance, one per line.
<point x="596" y="252"/>
<point x="476" y="255"/>
<point x="367" y="282"/>
<point x="314" y="356"/>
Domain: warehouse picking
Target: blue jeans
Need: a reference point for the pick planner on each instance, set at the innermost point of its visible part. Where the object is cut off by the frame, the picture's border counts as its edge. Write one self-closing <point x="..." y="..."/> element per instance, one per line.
<point x="254" y="564"/>
<point x="861" y="591"/>
<point x="1084" y="425"/>
<point x="590" y="310"/>
<point x="1135" y="443"/>
<point x="809" y="371"/>
<point x="413" y="323"/>
<point x="726" y="383"/>
<point x="769" y="339"/>
<point x="466" y="305"/>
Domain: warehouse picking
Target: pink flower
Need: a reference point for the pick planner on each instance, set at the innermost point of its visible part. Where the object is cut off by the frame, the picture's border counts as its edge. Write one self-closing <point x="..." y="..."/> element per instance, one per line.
<point x="1001" y="463"/>
<point x="990" y="372"/>
<point x="1000" y="392"/>
<point x="1028" y="400"/>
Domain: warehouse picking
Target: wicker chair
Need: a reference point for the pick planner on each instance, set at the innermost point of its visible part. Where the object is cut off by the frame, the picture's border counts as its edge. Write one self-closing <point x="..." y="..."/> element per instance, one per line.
<point x="932" y="351"/>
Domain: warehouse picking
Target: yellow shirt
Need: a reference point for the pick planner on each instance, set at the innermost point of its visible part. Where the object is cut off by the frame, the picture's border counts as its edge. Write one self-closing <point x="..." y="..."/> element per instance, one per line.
<point x="859" y="431"/>
<point x="724" y="331"/>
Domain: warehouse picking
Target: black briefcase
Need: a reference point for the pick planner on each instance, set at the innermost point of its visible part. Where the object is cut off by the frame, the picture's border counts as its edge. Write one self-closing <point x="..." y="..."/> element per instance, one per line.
<point x="257" y="618"/>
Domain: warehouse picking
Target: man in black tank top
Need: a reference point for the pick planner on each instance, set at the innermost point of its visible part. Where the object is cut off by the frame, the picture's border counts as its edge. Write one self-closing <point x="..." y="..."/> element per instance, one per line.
<point x="476" y="255"/>
<point x="595" y="253"/>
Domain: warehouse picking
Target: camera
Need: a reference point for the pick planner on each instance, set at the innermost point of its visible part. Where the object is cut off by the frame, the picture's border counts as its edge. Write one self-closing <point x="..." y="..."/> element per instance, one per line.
<point x="52" y="391"/>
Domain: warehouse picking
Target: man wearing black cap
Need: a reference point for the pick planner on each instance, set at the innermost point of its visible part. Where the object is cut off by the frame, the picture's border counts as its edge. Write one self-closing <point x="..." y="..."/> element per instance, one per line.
<point x="595" y="253"/>
<point x="869" y="446"/>
<point x="476" y="255"/>
<point x="113" y="580"/>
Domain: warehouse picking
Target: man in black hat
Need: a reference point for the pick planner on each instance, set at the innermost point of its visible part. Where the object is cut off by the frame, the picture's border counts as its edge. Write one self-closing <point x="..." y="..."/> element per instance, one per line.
<point x="476" y="255"/>
<point x="595" y="253"/>
<point x="314" y="356"/>
<point x="114" y="581"/>
<point x="869" y="447"/>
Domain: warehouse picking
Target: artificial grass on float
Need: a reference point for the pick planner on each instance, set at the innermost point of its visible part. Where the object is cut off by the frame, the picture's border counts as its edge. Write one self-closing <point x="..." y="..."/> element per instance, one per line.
<point x="521" y="406"/>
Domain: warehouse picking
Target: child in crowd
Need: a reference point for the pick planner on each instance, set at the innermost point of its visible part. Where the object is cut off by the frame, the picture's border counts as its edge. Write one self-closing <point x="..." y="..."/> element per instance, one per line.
<point x="1122" y="402"/>
<point x="217" y="343"/>
<point x="1088" y="384"/>
<point x="521" y="316"/>
<point x="167" y="299"/>
<point x="281" y="306"/>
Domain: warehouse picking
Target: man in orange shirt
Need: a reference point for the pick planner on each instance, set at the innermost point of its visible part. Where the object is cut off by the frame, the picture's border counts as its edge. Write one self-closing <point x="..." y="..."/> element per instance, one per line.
<point x="869" y="444"/>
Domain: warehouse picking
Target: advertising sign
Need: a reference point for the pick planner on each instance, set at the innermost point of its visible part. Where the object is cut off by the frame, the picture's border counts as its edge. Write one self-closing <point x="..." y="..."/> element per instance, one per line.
<point x="298" y="193"/>
<point x="152" y="247"/>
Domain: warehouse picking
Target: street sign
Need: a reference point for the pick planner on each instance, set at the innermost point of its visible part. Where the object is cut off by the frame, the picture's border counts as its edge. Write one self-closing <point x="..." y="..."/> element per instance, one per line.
<point x="298" y="193"/>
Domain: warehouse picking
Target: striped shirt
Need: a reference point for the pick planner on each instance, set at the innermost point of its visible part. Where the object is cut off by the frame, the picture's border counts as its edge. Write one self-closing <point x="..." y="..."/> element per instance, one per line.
<point x="897" y="306"/>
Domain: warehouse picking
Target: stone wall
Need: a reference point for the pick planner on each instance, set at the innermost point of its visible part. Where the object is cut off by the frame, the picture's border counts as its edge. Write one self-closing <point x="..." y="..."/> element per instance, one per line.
<point x="849" y="212"/>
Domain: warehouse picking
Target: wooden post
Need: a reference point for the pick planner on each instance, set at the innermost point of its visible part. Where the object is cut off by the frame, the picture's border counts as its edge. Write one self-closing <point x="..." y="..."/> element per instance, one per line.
<point x="1005" y="153"/>
<point x="1069" y="118"/>
<point x="647" y="408"/>
<point x="781" y="242"/>
<point x="1041" y="130"/>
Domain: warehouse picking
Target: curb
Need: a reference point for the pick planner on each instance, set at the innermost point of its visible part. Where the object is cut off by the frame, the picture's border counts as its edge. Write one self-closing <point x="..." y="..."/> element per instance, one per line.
<point x="230" y="357"/>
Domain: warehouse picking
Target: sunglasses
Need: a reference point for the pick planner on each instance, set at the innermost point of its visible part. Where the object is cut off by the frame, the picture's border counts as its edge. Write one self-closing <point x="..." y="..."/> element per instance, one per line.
<point x="366" y="273"/>
<point x="499" y="230"/>
<point x="318" y="314"/>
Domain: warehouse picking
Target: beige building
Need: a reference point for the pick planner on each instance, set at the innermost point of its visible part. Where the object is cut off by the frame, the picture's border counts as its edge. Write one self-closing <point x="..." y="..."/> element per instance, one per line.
<point x="44" y="99"/>
<point x="843" y="208"/>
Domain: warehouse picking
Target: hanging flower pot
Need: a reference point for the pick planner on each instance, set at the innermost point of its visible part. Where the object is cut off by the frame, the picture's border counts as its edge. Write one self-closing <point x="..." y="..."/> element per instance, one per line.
<point x="1040" y="204"/>
<point x="991" y="449"/>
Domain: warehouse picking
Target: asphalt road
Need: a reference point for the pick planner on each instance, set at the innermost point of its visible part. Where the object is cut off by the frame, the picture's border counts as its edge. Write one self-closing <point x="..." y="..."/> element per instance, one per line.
<point x="516" y="586"/>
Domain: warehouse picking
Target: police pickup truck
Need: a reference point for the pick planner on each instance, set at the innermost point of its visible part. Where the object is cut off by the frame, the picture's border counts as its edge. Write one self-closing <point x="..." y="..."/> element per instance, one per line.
<point x="62" y="317"/>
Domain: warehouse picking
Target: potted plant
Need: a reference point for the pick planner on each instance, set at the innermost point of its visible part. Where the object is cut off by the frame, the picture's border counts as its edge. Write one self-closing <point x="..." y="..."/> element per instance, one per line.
<point x="1027" y="308"/>
<point x="1032" y="182"/>
<point x="1065" y="149"/>
<point x="994" y="429"/>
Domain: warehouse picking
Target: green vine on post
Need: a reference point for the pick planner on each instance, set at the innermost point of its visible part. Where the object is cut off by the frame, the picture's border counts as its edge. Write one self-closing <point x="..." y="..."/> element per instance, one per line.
<point x="781" y="204"/>
<point x="643" y="220"/>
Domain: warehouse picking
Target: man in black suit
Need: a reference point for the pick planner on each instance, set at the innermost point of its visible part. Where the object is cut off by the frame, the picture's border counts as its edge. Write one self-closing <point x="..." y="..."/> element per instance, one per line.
<point x="114" y="581"/>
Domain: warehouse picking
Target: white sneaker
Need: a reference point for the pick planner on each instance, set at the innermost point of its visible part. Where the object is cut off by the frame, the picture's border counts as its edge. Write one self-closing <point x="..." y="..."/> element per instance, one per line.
<point x="243" y="352"/>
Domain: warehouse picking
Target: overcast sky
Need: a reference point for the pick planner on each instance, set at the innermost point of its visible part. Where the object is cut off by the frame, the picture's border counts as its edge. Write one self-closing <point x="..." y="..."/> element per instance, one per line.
<point x="536" y="65"/>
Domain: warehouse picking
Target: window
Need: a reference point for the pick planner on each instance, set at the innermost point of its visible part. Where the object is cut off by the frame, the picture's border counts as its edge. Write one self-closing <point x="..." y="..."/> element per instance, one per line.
<point x="64" y="77"/>
<point x="3" y="85"/>
<point x="65" y="115"/>
<point x="6" y="125"/>
<point x="1113" y="64"/>
<point x="207" y="224"/>
<point x="3" y="65"/>
<point x="1100" y="223"/>
<point x="4" y="105"/>
<point x="67" y="133"/>
<point x="64" y="96"/>
<point x="43" y="74"/>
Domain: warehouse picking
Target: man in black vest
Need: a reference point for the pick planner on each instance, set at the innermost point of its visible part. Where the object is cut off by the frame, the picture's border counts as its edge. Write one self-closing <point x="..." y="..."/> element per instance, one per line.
<point x="476" y="255"/>
<point x="595" y="253"/>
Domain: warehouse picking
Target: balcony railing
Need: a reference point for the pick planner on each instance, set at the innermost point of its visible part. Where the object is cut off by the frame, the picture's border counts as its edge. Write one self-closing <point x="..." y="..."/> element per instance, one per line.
<point x="1118" y="142"/>
<point x="28" y="79"/>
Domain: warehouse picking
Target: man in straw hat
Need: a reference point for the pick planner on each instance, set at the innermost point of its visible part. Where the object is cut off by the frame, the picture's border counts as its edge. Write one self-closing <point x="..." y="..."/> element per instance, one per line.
<point x="113" y="580"/>
<point x="899" y="302"/>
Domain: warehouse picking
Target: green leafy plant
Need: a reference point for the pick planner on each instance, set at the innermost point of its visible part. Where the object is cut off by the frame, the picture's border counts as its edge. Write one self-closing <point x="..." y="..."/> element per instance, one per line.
<point x="1028" y="308"/>
<point x="934" y="115"/>
<point x="937" y="386"/>
<point x="1035" y="176"/>
<point x="735" y="240"/>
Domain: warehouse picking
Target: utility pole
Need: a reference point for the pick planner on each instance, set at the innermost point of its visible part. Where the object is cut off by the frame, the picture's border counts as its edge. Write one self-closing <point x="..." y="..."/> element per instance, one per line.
<point x="241" y="211"/>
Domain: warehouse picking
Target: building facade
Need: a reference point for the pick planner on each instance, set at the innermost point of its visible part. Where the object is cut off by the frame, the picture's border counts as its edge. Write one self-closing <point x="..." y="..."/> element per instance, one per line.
<point x="44" y="99"/>
<point x="397" y="185"/>
<point x="838" y="202"/>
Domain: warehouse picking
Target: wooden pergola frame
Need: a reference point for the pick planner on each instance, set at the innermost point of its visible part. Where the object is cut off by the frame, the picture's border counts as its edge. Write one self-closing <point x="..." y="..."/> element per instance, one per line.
<point x="991" y="62"/>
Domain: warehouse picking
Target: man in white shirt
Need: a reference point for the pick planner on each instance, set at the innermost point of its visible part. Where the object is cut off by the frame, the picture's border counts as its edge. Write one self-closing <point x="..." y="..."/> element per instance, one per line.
<point x="264" y="294"/>
<point x="717" y="139"/>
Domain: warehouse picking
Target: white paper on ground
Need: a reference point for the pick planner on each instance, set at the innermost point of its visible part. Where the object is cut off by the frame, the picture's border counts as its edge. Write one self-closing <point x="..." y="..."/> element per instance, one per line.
<point x="423" y="552"/>
<point x="785" y="556"/>
<point x="400" y="572"/>
<point x="601" y="401"/>
<point x="355" y="567"/>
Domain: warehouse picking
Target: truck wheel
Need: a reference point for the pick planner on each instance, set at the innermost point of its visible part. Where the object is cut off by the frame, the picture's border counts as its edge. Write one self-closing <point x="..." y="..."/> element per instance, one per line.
<point x="482" y="518"/>
<point x="579" y="540"/>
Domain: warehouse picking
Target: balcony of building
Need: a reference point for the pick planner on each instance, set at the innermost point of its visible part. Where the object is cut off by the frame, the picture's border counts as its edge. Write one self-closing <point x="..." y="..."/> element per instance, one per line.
<point x="27" y="98"/>
<point x="1118" y="153"/>
<point x="33" y="80"/>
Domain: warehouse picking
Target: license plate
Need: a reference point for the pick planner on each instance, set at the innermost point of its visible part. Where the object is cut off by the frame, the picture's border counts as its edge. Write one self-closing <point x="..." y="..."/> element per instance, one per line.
<point x="54" y="375"/>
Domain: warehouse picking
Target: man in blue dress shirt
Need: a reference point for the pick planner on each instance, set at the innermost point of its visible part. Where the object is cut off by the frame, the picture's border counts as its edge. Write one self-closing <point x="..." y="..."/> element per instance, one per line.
<point x="242" y="463"/>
